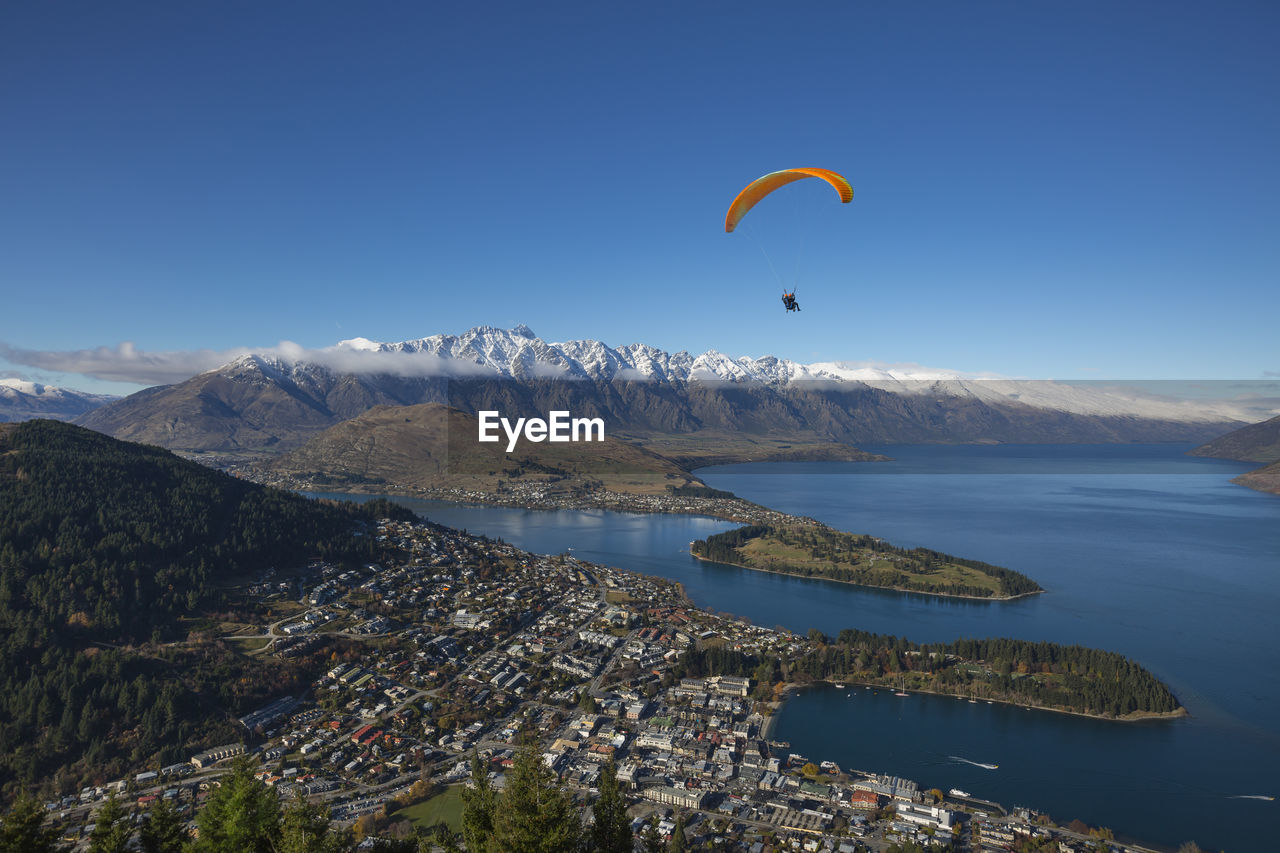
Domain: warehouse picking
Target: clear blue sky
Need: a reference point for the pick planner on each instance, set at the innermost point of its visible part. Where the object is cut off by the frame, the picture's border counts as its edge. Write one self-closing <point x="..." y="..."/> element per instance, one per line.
<point x="1049" y="189"/>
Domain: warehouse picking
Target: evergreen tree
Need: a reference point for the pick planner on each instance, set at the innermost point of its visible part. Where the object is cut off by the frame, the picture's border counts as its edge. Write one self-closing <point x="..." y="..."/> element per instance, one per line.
<point x="650" y="838"/>
<point x="678" y="843"/>
<point x="304" y="828"/>
<point x="535" y="815"/>
<point x="163" y="830"/>
<point x="22" y="830"/>
<point x="478" y="806"/>
<point x="612" y="830"/>
<point x="242" y="815"/>
<point x="112" y="829"/>
<point x="441" y="836"/>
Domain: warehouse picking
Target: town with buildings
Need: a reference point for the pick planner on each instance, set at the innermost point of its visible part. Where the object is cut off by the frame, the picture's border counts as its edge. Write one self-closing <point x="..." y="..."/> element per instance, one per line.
<point x="466" y="646"/>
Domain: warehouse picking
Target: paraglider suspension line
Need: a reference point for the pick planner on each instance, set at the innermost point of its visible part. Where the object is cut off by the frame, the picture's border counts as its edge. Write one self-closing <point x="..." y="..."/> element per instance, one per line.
<point x="759" y="242"/>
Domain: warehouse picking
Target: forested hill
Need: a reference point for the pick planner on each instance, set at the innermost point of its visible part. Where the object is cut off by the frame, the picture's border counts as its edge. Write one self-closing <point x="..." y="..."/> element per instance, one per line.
<point x="106" y="543"/>
<point x="112" y="540"/>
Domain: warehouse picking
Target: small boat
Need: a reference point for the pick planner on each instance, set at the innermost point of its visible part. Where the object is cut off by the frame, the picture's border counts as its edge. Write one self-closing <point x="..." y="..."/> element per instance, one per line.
<point x="839" y="686"/>
<point x="902" y="689"/>
<point x="956" y="792"/>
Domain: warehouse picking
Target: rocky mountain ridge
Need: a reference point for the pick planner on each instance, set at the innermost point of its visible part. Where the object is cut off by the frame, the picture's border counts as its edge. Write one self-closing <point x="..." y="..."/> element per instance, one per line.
<point x="266" y="404"/>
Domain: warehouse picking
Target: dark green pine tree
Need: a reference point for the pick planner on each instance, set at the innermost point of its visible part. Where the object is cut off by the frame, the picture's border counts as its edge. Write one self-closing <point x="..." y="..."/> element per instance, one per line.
<point x="612" y="830"/>
<point x="22" y="829"/>
<point x="650" y="838"/>
<point x="163" y="830"/>
<point x="439" y="837"/>
<point x="241" y="815"/>
<point x="535" y="815"/>
<point x="478" y="805"/>
<point x="304" y="828"/>
<point x="112" y="828"/>
<point x="678" y="843"/>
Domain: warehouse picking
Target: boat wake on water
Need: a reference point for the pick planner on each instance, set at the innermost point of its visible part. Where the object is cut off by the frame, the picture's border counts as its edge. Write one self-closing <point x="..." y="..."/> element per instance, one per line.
<point x="974" y="763"/>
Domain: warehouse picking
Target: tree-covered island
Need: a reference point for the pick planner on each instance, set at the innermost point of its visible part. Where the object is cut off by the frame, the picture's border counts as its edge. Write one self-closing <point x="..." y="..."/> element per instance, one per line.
<point x="1070" y="679"/>
<point x="814" y="550"/>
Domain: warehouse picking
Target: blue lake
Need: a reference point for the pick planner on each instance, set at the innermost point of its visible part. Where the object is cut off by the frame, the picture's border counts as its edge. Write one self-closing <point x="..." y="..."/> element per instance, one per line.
<point x="1142" y="550"/>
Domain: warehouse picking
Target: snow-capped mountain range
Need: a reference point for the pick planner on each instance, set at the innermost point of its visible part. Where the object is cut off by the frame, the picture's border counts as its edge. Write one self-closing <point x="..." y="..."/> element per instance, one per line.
<point x="277" y="399"/>
<point x="21" y="400"/>
<point x="520" y="354"/>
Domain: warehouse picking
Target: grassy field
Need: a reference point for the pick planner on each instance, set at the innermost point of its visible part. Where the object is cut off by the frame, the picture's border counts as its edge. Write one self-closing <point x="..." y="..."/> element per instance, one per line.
<point x="445" y="807"/>
<point x="249" y="645"/>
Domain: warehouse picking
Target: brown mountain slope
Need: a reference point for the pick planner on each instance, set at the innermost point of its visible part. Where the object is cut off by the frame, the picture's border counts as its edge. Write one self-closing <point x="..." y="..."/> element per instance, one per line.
<point x="1258" y="442"/>
<point x="433" y="446"/>
<point x="1265" y="479"/>
<point x="251" y="406"/>
<point x="259" y="406"/>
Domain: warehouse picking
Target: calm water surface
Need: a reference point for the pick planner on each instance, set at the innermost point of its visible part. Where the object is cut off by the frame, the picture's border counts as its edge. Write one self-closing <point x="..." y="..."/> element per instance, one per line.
<point x="1143" y="551"/>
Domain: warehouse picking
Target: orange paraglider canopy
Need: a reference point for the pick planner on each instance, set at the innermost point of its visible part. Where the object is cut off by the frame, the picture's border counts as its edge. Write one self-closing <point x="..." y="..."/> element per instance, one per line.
<point x="761" y="187"/>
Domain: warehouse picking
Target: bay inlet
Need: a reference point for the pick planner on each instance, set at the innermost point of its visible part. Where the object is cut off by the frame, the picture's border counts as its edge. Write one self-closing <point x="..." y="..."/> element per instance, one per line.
<point x="1142" y="551"/>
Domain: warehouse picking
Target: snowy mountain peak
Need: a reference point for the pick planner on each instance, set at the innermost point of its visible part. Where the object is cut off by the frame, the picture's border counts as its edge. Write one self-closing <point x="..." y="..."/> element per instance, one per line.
<point x="363" y="344"/>
<point x="490" y="352"/>
<point x="13" y="388"/>
<point x="21" y="386"/>
<point x="22" y="400"/>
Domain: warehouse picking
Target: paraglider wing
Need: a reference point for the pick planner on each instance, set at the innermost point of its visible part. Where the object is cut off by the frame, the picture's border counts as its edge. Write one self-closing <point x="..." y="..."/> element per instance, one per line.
<point x="761" y="187"/>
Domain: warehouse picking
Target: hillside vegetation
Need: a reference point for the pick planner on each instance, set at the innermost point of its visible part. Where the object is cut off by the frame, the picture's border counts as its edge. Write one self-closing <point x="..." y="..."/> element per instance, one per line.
<point x="106" y="546"/>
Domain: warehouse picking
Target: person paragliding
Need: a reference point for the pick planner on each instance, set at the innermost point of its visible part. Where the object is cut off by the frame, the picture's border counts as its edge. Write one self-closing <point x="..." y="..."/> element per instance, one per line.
<point x="761" y="187"/>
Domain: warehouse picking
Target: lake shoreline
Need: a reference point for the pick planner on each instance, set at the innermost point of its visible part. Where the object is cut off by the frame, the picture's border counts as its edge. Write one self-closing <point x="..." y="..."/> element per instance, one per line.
<point x="1135" y="717"/>
<point x="1173" y="536"/>
<point x="873" y="586"/>
<point x="778" y="706"/>
<point x="735" y="509"/>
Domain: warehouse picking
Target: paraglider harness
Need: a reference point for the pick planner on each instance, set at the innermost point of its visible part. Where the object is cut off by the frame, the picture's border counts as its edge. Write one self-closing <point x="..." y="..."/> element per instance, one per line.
<point x="789" y="300"/>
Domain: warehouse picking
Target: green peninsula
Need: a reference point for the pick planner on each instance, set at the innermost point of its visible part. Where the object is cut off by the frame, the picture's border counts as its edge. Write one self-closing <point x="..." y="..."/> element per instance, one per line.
<point x="816" y="551"/>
